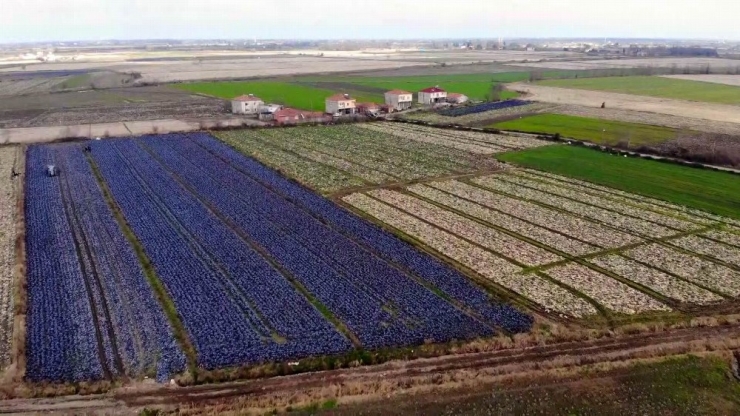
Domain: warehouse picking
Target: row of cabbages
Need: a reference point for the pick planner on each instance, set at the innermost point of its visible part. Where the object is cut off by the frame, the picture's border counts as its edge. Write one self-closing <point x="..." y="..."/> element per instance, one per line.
<point x="484" y="262"/>
<point x="697" y="244"/>
<point x="656" y="280"/>
<point x="509" y="142"/>
<point x="618" y="221"/>
<point x="609" y="292"/>
<point x="348" y="144"/>
<point x="502" y="243"/>
<point x="598" y="201"/>
<point x="8" y="188"/>
<point x="692" y="268"/>
<point x="549" y="218"/>
<point x="426" y="137"/>
<point x="552" y="239"/>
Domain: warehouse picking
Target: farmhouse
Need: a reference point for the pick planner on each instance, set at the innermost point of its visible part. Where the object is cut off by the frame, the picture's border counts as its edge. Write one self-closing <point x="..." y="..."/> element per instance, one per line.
<point x="293" y="116"/>
<point x="340" y="104"/>
<point x="398" y="99"/>
<point x="432" y="95"/>
<point x="246" y="104"/>
<point x="456" y="98"/>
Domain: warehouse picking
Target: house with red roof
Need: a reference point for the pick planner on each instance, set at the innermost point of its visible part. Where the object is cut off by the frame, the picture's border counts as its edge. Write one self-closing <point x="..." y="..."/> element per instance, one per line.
<point x="432" y="95"/>
<point x="341" y="104"/>
<point x="399" y="99"/>
<point x="246" y="104"/>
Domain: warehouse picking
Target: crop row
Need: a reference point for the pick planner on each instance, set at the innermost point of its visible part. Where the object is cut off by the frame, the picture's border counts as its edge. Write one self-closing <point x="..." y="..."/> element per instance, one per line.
<point x="462" y="111"/>
<point x="91" y="311"/>
<point x="425" y="137"/>
<point x="485" y="117"/>
<point x="508" y="142"/>
<point x="9" y="186"/>
<point x="550" y="238"/>
<point x="618" y="221"/>
<point x="484" y="262"/>
<point x="549" y="218"/>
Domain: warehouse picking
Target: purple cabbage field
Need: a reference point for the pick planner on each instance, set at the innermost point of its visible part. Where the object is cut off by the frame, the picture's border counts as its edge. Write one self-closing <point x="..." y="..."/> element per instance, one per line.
<point x="259" y="268"/>
<point x="480" y="108"/>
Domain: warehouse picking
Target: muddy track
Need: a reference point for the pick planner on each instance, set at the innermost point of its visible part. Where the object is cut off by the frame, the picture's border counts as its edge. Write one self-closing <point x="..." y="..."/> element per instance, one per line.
<point x="423" y="367"/>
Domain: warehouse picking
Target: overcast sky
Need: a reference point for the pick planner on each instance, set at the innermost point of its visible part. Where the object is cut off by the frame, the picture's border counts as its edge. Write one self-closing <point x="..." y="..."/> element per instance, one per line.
<point x="41" y="20"/>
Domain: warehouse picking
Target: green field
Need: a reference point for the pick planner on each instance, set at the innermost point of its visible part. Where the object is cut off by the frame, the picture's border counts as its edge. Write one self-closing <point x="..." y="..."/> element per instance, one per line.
<point x="289" y="94"/>
<point x="655" y="87"/>
<point x="711" y="191"/>
<point x="591" y="129"/>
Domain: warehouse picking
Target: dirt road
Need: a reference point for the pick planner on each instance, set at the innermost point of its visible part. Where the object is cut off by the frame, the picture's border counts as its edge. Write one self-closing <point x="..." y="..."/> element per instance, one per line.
<point x="715" y="79"/>
<point x="680" y="108"/>
<point x="367" y="383"/>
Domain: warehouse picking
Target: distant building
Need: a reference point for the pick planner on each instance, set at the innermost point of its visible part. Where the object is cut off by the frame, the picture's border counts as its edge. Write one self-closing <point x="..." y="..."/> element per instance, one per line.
<point x="456" y="98"/>
<point x="340" y="104"/>
<point x="432" y="95"/>
<point x="293" y="116"/>
<point x="370" y="109"/>
<point x="398" y="99"/>
<point x="267" y="111"/>
<point x="246" y="104"/>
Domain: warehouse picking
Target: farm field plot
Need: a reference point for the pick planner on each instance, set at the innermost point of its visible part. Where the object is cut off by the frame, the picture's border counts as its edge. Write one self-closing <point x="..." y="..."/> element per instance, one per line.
<point x="715" y="79"/>
<point x="591" y="129"/>
<point x="480" y="119"/>
<point x="679" y="89"/>
<point x="566" y="246"/>
<point x="10" y="160"/>
<point x="706" y="190"/>
<point x="336" y="158"/>
<point x="207" y="247"/>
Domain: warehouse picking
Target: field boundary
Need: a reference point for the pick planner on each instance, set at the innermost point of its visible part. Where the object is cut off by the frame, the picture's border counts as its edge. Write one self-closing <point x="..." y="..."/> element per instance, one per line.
<point x="20" y="295"/>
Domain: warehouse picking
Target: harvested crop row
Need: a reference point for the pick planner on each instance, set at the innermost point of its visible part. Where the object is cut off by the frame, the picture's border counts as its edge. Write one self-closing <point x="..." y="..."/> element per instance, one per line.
<point x="710" y="248"/>
<point x="618" y="221"/>
<point x="609" y="292"/>
<point x="655" y="279"/>
<point x="581" y="229"/>
<point x="545" y="236"/>
<point x="313" y="174"/>
<point x="724" y="236"/>
<point x="611" y="195"/>
<point x="497" y="241"/>
<point x="426" y="138"/>
<point x="300" y="140"/>
<point x="492" y="267"/>
<point x="601" y="202"/>
<point x="655" y="204"/>
<point x="8" y="188"/>
<point x="512" y="142"/>
<point x="691" y="268"/>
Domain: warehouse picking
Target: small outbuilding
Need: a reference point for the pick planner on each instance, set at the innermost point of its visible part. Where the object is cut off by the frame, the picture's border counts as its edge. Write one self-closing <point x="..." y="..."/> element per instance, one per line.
<point x="341" y="104"/>
<point x="369" y="109"/>
<point x="456" y="98"/>
<point x="293" y="116"/>
<point x="432" y="95"/>
<point x="399" y="99"/>
<point x="246" y="104"/>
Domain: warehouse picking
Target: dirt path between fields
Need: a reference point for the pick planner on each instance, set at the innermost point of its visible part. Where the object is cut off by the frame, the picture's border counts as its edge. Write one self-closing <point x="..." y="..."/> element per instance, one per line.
<point x="366" y="383"/>
<point x="680" y="108"/>
<point x="714" y="79"/>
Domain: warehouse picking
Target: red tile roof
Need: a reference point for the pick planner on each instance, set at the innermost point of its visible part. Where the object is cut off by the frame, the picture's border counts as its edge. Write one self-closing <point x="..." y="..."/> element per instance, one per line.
<point x="433" y="89"/>
<point x="339" y="97"/>
<point x="368" y="105"/>
<point x="247" y="98"/>
<point x="292" y="112"/>
<point x="454" y="95"/>
<point x="398" y="92"/>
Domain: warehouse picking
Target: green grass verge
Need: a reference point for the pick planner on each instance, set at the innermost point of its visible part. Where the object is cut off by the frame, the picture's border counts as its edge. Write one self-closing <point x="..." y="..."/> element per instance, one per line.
<point x="707" y="190"/>
<point x="591" y="129"/>
<point x="291" y="95"/>
<point x="656" y="87"/>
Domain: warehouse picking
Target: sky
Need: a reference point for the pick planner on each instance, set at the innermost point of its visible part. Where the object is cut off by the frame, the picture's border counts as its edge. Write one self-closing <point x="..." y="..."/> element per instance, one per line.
<point x="66" y="20"/>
